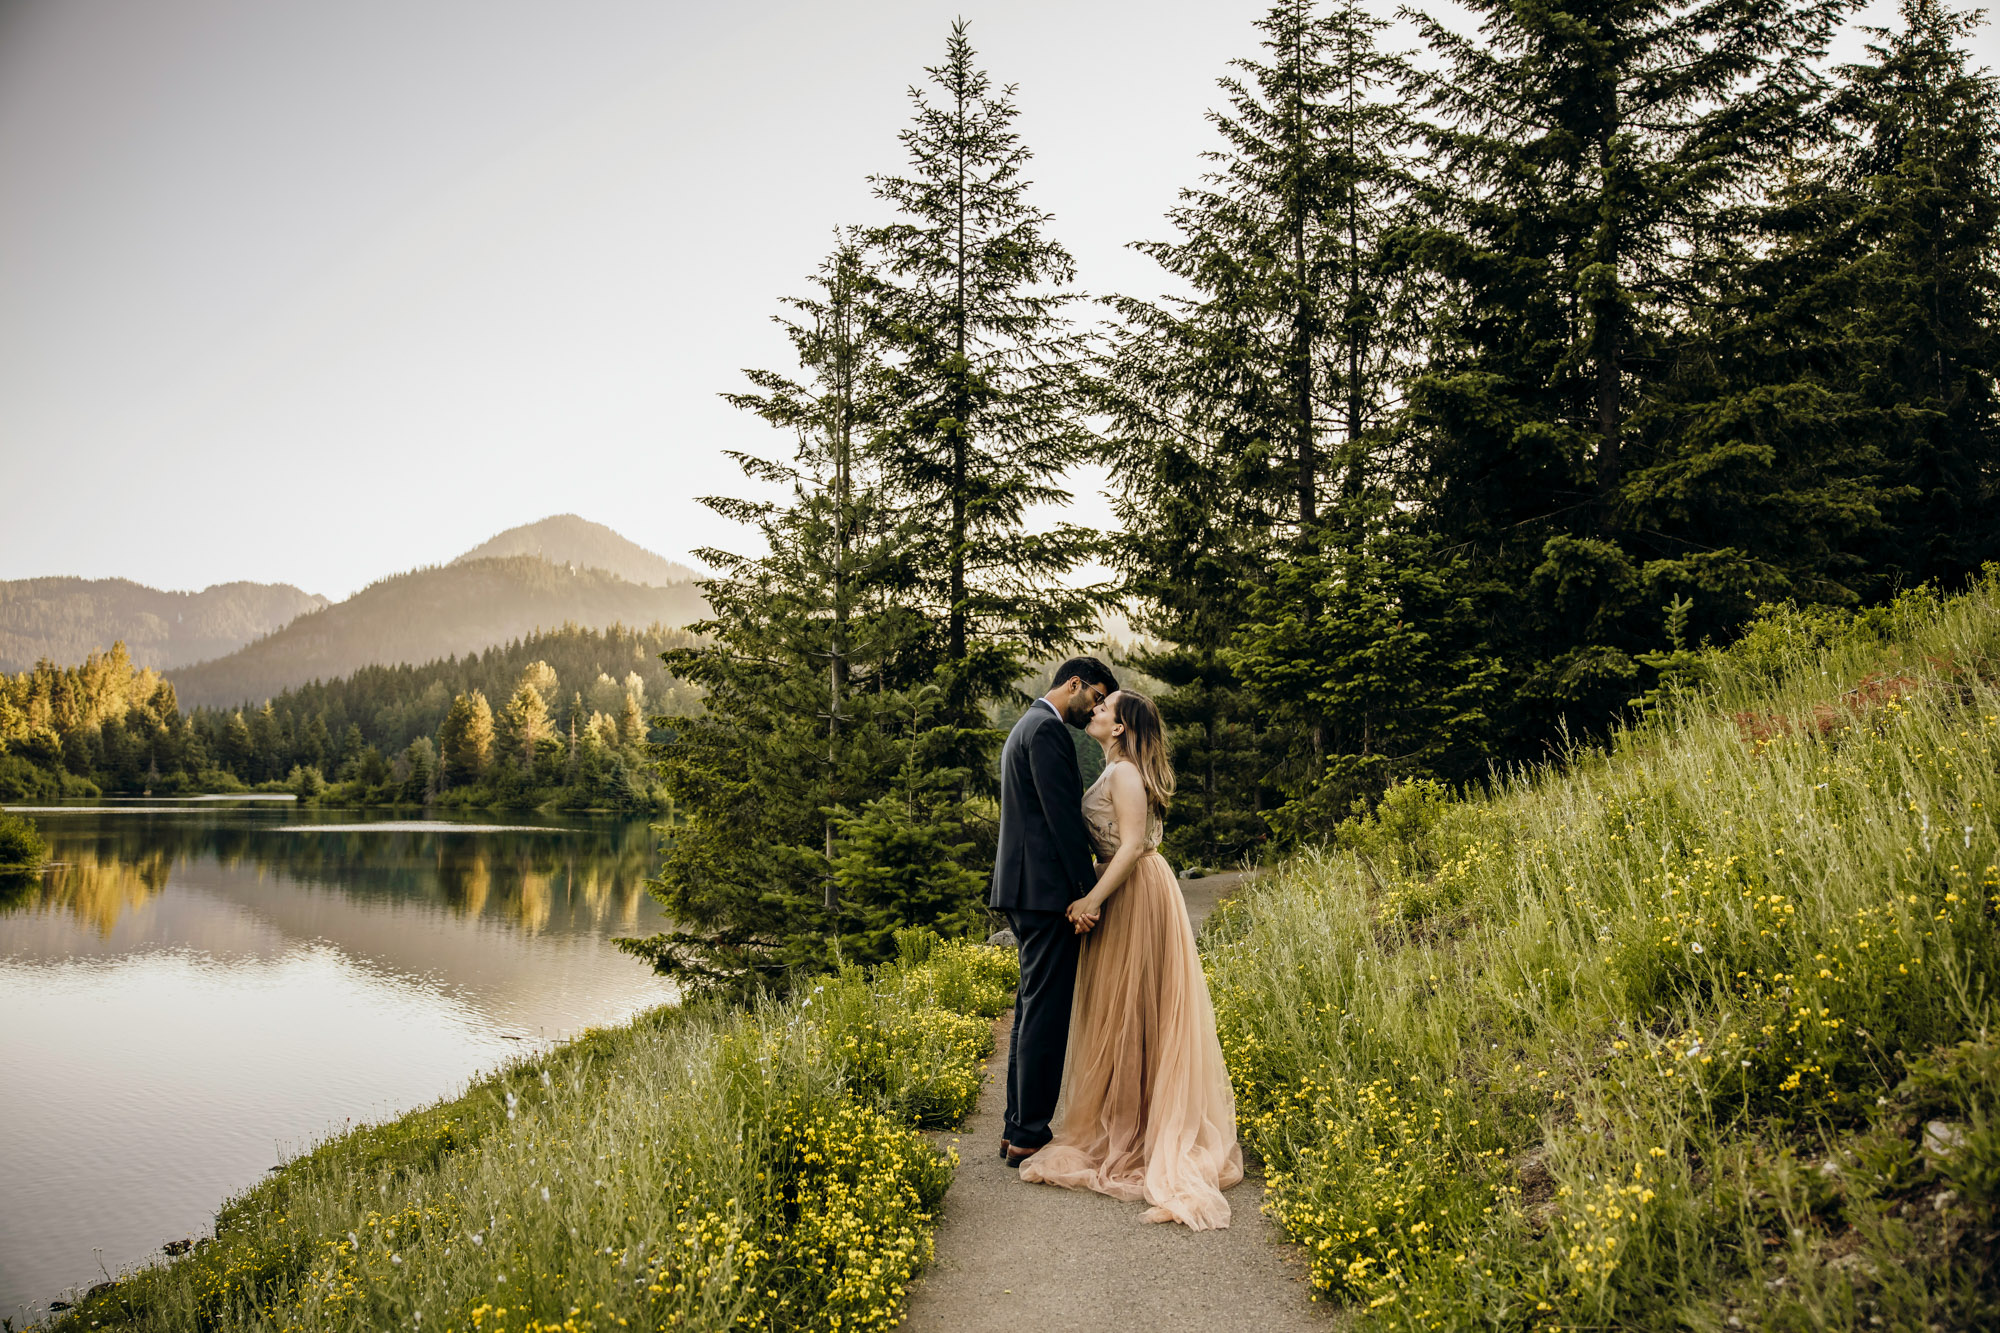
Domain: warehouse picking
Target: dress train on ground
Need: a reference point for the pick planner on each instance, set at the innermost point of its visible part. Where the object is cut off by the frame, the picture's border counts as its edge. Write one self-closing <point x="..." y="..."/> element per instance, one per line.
<point x="1147" y="1112"/>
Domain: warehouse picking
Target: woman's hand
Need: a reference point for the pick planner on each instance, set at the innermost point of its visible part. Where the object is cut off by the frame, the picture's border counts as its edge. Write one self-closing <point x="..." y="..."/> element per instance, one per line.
<point x="1085" y="912"/>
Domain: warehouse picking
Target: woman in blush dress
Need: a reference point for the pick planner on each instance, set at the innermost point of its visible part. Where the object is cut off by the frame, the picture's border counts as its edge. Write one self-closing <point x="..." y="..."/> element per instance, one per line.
<point x="1146" y="1110"/>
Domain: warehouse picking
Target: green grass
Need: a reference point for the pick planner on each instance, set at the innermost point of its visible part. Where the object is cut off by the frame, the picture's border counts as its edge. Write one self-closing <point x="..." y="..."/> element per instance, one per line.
<point x="702" y="1168"/>
<point x="1652" y="1042"/>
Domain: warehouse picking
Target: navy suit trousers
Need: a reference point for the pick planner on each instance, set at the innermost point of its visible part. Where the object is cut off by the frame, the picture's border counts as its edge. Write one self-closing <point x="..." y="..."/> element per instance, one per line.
<point x="1049" y="945"/>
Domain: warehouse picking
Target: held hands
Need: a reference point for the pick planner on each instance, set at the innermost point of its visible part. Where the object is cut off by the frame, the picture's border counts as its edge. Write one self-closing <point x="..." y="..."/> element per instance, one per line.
<point x="1086" y="911"/>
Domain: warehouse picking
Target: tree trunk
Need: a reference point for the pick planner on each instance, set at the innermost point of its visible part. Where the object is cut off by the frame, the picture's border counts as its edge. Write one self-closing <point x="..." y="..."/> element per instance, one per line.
<point x="1351" y="480"/>
<point x="843" y="531"/>
<point x="1302" y="332"/>
<point x="1610" y="328"/>
<point x="1208" y="790"/>
<point x="960" y="429"/>
<point x="1302" y="396"/>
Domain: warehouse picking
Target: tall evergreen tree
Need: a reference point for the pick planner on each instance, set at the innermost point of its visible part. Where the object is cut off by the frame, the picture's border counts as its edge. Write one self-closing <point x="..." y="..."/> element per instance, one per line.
<point x="1926" y="125"/>
<point x="809" y="646"/>
<point x="543" y="677"/>
<point x="315" y="744"/>
<point x="982" y="399"/>
<point x="238" y="749"/>
<point x="1373" y="638"/>
<point x="466" y="740"/>
<point x="420" y="780"/>
<point x="1251" y="416"/>
<point x="523" y="724"/>
<point x="1586" y="151"/>
<point x="904" y="857"/>
<point x="1835" y="435"/>
<point x="269" y="757"/>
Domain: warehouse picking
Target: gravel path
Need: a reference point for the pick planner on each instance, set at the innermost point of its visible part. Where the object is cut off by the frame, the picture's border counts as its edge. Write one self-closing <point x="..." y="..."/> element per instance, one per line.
<point x="1020" y="1258"/>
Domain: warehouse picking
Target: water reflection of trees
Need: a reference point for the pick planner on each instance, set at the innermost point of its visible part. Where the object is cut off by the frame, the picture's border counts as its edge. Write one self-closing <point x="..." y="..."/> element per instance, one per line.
<point x="588" y="878"/>
<point x="96" y="890"/>
<point x="526" y="884"/>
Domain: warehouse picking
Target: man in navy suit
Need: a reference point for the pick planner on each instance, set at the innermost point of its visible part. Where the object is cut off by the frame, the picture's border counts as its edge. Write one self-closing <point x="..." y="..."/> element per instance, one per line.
<point x="1044" y="864"/>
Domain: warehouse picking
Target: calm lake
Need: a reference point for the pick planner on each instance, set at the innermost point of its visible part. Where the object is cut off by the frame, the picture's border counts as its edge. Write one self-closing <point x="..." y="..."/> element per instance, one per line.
<point x="197" y="991"/>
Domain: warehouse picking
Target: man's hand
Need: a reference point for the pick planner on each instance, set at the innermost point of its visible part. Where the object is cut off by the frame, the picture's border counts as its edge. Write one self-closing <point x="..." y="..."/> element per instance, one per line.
<point x="1085" y="912"/>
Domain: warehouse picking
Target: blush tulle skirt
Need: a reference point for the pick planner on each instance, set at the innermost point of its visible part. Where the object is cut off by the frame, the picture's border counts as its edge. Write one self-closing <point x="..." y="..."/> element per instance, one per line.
<point x="1146" y="1112"/>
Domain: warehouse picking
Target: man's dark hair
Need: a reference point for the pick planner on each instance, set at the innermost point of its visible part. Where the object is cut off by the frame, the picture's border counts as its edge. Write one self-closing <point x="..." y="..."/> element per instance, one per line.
<point x="1088" y="670"/>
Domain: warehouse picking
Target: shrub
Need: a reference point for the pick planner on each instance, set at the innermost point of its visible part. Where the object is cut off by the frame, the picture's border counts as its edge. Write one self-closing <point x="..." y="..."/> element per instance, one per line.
<point x="21" y="847"/>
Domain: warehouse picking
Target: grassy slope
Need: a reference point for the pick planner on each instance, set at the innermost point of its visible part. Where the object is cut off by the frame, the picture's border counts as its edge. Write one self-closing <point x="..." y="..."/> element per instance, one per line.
<point x="1652" y="1043"/>
<point x="695" y="1169"/>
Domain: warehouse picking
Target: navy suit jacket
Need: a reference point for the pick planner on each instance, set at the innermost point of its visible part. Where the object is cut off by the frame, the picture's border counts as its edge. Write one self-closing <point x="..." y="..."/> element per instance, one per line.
<point x="1044" y="862"/>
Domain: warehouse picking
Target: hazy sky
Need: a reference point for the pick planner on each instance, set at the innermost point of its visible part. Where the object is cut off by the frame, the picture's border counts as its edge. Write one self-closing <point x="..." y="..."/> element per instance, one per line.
<point x="315" y="292"/>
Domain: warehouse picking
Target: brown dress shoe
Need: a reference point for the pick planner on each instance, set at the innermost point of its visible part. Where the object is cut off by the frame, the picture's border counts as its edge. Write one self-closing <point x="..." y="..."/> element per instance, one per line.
<point x="1016" y="1156"/>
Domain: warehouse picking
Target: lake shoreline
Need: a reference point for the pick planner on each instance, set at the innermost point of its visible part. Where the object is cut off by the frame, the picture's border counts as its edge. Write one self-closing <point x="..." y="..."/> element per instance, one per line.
<point x="192" y="982"/>
<point x="695" y="1166"/>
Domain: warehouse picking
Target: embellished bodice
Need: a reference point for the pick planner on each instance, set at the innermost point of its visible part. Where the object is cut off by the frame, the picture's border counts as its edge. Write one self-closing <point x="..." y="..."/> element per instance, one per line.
<point x="1103" y="820"/>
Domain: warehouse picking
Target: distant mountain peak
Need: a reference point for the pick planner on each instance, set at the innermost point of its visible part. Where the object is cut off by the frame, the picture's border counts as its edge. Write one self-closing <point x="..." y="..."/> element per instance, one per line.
<point x="430" y="614"/>
<point x="569" y="539"/>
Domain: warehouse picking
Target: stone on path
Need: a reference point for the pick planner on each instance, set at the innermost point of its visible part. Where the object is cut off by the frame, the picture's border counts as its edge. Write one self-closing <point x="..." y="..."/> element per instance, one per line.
<point x="1013" y="1256"/>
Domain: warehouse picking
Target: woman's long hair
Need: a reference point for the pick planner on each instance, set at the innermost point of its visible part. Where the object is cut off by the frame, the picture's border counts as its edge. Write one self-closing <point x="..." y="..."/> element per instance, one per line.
<point x="1144" y="744"/>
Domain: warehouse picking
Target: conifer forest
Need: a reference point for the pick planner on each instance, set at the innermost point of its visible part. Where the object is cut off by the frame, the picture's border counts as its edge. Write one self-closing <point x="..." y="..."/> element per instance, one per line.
<point x="1493" y="380"/>
<point x="560" y="718"/>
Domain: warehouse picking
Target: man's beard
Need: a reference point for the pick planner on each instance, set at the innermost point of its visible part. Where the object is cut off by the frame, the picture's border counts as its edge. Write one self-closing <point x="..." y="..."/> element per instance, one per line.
<point x="1077" y="712"/>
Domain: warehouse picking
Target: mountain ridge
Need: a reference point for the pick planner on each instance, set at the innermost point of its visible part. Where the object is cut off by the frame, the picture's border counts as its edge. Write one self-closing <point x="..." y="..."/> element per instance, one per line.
<point x="243" y="641"/>
<point x="64" y="618"/>
<point x="428" y="614"/>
